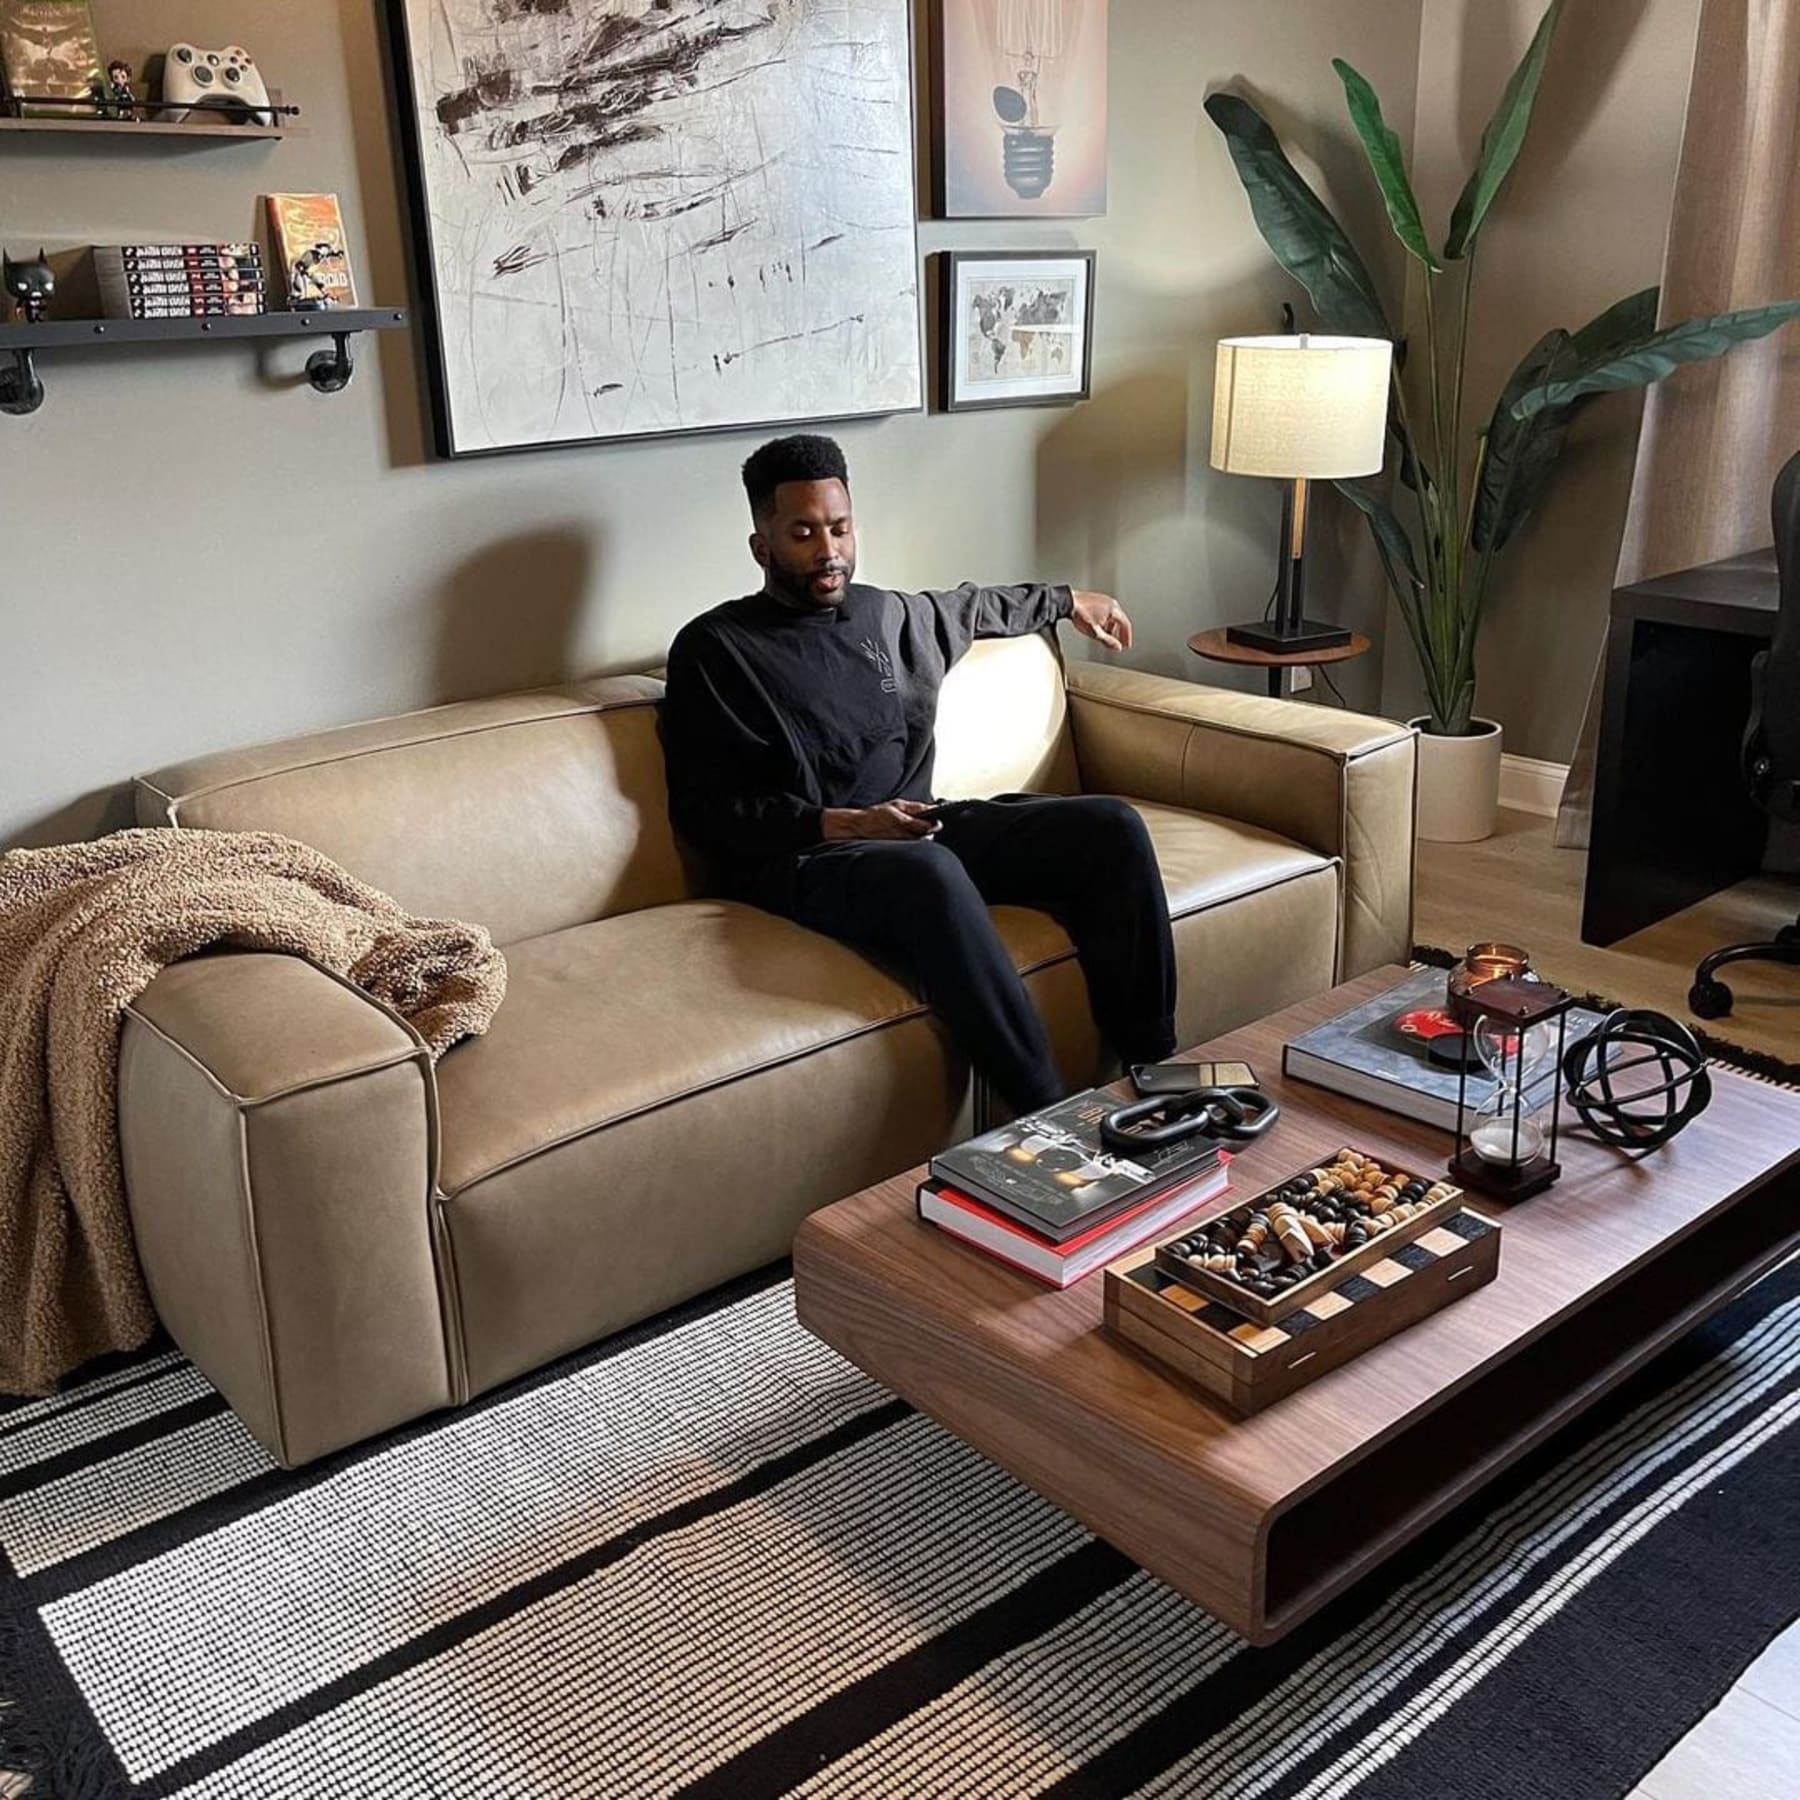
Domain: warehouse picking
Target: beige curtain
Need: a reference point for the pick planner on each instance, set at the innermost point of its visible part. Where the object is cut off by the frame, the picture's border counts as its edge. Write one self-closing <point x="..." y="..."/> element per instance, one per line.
<point x="1715" y="434"/>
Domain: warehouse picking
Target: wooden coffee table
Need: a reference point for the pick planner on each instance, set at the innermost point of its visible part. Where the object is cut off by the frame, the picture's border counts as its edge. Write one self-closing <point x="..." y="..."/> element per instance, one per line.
<point x="1263" y="1520"/>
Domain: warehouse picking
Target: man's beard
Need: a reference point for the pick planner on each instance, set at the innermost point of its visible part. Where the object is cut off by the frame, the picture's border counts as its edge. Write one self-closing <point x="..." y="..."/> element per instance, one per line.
<point x="797" y="590"/>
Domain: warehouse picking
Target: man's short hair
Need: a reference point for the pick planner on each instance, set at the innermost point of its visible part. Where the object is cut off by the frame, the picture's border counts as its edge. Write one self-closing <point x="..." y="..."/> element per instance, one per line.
<point x="803" y="458"/>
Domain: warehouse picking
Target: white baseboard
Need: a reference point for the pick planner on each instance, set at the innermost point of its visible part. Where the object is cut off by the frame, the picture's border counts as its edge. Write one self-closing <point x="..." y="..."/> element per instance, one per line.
<point x="1530" y="786"/>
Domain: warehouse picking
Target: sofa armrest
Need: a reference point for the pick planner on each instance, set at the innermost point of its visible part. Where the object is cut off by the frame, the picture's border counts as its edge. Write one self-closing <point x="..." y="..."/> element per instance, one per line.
<point x="278" y="1131"/>
<point x="1340" y="783"/>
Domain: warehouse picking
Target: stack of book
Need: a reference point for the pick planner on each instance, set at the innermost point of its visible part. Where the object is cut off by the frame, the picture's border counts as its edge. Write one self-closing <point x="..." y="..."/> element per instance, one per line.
<point x="179" y="281"/>
<point x="1046" y="1196"/>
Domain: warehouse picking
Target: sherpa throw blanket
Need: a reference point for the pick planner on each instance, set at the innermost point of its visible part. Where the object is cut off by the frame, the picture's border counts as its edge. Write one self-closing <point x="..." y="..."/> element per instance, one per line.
<point x="84" y="929"/>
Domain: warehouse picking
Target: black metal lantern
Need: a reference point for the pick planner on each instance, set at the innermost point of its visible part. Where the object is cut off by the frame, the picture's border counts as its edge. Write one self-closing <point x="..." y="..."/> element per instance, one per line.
<point x="1517" y="1028"/>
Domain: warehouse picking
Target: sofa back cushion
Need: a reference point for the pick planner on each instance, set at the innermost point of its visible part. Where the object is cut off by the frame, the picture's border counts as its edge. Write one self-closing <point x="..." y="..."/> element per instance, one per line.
<point x="1003" y="723"/>
<point x="526" y="813"/>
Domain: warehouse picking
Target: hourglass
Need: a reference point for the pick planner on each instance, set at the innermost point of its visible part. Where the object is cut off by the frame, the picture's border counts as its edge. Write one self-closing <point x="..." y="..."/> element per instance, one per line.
<point x="1503" y="1144"/>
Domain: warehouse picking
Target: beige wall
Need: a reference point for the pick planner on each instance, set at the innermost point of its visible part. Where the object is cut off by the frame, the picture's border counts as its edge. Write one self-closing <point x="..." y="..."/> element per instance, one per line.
<point x="1582" y="224"/>
<point x="199" y="553"/>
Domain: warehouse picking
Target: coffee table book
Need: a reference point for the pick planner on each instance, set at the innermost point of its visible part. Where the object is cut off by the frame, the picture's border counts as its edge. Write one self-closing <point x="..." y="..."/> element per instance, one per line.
<point x="1061" y="1265"/>
<point x="1361" y="1055"/>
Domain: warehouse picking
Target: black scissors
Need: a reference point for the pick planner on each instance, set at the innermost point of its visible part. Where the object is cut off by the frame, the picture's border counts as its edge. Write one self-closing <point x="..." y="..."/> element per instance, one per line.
<point x="1235" y="1114"/>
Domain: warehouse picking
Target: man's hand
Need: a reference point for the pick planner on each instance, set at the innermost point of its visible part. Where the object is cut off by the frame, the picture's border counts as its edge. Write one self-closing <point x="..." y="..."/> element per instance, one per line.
<point x="902" y="820"/>
<point x="1102" y="618"/>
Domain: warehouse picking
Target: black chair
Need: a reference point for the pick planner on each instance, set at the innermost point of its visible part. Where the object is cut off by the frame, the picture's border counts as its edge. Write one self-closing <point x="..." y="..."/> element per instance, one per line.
<point x="1771" y="745"/>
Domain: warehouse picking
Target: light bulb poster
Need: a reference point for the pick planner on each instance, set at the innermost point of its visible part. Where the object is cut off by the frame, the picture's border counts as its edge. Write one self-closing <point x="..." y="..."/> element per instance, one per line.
<point x="1021" y="120"/>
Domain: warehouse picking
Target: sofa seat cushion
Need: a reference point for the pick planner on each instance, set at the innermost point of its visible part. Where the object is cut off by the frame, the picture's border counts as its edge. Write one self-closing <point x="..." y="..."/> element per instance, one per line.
<point x="665" y="1095"/>
<point x="606" y="1021"/>
<point x="1205" y="862"/>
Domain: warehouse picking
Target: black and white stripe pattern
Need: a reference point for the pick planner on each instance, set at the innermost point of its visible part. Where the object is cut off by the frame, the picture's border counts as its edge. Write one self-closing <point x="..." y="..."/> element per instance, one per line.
<point x="713" y="1559"/>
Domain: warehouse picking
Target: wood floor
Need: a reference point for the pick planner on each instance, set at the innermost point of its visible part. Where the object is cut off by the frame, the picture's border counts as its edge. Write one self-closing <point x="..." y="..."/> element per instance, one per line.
<point x="1519" y="888"/>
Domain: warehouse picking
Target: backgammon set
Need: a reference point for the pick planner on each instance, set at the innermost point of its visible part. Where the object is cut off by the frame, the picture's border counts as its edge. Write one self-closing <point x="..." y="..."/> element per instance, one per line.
<point x="1256" y="1302"/>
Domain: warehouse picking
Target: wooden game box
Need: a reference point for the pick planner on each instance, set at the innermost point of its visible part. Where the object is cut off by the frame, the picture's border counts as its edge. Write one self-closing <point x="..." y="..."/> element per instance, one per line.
<point x="1270" y="1310"/>
<point x="1248" y="1364"/>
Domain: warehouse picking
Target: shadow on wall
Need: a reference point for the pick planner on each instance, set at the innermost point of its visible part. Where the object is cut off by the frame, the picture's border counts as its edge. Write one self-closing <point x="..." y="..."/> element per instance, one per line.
<point x="511" y="615"/>
<point x="1111" y="465"/>
<point x="1588" y="38"/>
<point x="94" y="815"/>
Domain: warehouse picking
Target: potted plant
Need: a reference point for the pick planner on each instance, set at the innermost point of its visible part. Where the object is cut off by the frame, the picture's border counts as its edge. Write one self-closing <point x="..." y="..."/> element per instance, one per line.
<point x="1469" y="492"/>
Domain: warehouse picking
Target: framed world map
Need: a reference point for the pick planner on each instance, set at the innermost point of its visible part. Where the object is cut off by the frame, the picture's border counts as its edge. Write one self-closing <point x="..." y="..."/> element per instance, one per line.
<point x="1018" y="328"/>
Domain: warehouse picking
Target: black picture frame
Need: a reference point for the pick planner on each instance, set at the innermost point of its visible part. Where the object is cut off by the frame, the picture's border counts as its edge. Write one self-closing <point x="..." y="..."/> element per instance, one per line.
<point x="422" y="254"/>
<point x="950" y="262"/>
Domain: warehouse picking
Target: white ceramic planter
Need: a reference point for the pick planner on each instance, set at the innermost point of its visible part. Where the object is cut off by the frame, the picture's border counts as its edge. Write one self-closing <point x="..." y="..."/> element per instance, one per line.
<point x="1459" y="783"/>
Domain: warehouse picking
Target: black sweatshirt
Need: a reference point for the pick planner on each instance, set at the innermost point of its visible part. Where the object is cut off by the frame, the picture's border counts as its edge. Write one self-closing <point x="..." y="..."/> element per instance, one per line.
<point x="774" y="714"/>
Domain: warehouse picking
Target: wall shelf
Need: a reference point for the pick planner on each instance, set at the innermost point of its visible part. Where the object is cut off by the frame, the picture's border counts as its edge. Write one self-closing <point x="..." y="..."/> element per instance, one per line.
<point x="329" y="370"/>
<point x="158" y="129"/>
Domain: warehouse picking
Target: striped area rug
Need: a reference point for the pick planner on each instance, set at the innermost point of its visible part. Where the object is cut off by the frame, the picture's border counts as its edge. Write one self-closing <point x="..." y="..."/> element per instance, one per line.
<point x="714" y="1559"/>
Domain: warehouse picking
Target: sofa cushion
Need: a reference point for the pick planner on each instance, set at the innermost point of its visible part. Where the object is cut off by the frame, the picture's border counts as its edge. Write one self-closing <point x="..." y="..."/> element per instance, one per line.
<point x="612" y="1019"/>
<point x="527" y="813"/>
<point x="1003" y="722"/>
<point x="608" y="1020"/>
<point x="665" y="1095"/>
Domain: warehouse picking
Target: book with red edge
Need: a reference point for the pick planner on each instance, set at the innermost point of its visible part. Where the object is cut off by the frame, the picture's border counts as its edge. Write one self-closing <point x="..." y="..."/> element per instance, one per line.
<point x="1062" y="1265"/>
<point x="1055" y="1172"/>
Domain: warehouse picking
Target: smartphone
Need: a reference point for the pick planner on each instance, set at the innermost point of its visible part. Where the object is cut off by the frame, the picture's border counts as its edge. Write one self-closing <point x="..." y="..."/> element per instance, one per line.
<point x="1188" y="1078"/>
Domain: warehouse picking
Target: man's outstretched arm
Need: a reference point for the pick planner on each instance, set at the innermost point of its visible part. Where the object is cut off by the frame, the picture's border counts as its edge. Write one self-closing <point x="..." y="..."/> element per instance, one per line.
<point x="969" y="612"/>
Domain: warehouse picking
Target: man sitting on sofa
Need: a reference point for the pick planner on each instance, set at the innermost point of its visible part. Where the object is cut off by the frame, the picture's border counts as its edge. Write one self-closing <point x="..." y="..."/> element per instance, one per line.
<point x="799" y="734"/>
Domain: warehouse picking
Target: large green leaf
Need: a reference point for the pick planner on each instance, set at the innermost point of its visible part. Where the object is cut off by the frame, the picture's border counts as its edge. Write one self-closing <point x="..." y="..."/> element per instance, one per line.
<point x="1297" y="225"/>
<point x="1624" y="322"/>
<point x="1390" y="537"/>
<point x="1503" y="139"/>
<point x="1648" y="359"/>
<point x="1521" y="454"/>
<point x="1389" y="163"/>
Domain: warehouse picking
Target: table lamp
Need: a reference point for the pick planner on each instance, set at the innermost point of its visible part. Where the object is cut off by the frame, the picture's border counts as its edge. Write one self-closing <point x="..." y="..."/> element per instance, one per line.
<point x="1304" y="409"/>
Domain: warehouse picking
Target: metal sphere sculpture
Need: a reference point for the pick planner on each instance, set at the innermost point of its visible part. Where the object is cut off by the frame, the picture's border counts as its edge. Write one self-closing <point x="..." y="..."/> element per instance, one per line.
<point x="1642" y="1113"/>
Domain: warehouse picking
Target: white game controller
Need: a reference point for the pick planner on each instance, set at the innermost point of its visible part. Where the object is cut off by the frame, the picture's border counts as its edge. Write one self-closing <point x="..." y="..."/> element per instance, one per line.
<point x="213" y="80"/>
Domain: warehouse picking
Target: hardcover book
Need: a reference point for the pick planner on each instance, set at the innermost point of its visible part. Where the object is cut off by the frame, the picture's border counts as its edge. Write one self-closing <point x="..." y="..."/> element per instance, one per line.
<point x="1052" y="1171"/>
<point x="1380" y="1052"/>
<point x="308" y="230"/>
<point x="49" y="52"/>
<point x="1063" y="1264"/>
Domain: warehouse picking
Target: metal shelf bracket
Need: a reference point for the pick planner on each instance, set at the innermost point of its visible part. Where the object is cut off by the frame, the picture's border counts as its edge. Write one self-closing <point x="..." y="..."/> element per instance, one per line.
<point x="21" y="392"/>
<point x="330" y="370"/>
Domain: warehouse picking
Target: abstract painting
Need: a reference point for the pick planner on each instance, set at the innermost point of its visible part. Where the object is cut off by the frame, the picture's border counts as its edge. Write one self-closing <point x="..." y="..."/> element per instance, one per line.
<point x="1018" y="328"/>
<point x="642" y="217"/>
<point x="1021" y="108"/>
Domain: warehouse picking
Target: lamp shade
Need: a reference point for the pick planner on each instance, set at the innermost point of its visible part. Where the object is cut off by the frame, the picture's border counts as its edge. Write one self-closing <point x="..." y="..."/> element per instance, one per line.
<point x="1301" y="407"/>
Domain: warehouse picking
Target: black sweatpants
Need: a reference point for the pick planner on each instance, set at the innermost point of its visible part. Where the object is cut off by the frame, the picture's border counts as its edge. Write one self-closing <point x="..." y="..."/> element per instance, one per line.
<point x="1086" y="860"/>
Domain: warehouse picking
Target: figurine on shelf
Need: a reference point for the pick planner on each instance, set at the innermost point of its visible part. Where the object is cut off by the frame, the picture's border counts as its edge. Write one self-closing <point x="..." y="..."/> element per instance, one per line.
<point x="124" y="96"/>
<point x="28" y="285"/>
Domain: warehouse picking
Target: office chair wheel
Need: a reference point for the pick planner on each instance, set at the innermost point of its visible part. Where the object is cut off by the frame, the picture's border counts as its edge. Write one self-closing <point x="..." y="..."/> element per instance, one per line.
<point x="1709" y="999"/>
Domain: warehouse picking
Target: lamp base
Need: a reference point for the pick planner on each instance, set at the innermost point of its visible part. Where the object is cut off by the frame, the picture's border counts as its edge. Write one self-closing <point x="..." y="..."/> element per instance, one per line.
<point x="1310" y="634"/>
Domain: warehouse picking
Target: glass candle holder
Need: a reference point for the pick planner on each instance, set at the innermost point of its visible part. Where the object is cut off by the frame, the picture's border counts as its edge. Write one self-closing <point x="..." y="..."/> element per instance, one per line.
<point x="1482" y="963"/>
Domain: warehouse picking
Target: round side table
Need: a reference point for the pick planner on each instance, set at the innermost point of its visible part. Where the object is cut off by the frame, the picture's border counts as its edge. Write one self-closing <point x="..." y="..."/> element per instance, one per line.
<point x="1215" y="646"/>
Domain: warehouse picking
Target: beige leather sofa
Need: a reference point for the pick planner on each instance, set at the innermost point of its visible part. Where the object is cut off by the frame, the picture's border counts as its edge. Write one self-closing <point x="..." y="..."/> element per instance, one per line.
<point x="343" y="1238"/>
